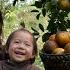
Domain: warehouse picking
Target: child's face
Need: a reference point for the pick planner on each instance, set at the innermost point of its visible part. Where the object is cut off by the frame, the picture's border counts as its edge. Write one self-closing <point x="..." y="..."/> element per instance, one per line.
<point x="21" y="47"/>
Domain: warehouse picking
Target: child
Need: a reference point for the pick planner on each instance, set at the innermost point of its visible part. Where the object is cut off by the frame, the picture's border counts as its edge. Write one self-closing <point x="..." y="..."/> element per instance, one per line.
<point x="21" y="50"/>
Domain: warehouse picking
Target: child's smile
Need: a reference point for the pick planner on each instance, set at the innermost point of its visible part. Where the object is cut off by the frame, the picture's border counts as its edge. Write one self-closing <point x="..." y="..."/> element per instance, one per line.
<point x="19" y="53"/>
<point x="21" y="47"/>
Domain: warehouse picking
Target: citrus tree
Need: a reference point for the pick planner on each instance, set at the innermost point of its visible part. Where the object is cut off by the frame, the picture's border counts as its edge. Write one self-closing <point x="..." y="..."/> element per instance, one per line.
<point x="57" y="11"/>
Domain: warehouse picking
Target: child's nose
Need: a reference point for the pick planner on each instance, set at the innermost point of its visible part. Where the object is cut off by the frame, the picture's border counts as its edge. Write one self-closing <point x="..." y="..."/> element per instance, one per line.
<point x="22" y="46"/>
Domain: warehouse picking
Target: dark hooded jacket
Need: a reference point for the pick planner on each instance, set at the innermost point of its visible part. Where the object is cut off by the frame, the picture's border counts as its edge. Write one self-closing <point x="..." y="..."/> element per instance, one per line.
<point x="9" y="65"/>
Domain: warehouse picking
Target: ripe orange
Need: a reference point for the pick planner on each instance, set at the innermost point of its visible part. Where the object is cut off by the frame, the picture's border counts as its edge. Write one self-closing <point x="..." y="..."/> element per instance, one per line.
<point x="52" y="37"/>
<point x="49" y="46"/>
<point x="67" y="48"/>
<point x="64" y="4"/>
<point x="62" y="38"/>
<point x="58" y="51"/>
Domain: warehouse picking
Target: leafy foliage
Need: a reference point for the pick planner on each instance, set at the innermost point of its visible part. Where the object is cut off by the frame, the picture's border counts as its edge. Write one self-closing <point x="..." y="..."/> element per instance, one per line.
<point x="44" y="12"/>
<point x="35" y="10"/>
<point x="15" y="1"/>
<point x="45" y="36"/>
<point x="41" y="27"/>
<point x="38" y="4"/>
<point x="57" y="16"/>
<point x="38" y="16"/>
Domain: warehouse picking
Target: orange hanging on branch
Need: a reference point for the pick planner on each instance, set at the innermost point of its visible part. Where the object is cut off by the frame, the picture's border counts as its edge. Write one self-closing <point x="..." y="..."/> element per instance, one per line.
<point x="64" y="4"/>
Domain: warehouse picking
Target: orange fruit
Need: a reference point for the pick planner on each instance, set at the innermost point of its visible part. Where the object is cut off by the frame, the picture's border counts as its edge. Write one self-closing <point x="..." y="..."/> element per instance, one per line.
<point x="58" y="51"/>
<point x="49" y="46"/>
<point x="67" y="48"/>
<point x="62" y="38"/>
<point x="64" y="4"/>
<point x="52" y="37"/>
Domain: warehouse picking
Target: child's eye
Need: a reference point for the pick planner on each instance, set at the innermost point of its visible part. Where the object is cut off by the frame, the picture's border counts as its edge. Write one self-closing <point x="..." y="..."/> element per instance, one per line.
<point x="16" y="42"/>
<point x="27" y="44"/>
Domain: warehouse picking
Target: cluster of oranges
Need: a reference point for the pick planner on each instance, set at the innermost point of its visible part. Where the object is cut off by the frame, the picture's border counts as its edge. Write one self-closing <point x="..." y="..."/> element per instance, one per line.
<point x="58" y="43"/>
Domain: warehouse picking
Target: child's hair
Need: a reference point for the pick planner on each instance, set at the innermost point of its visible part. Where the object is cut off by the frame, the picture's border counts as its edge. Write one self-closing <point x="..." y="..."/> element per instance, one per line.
<point x="24" y="30"/>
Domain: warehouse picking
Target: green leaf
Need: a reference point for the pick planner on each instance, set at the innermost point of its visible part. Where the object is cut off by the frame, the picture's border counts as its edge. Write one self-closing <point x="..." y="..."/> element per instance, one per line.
<point x="22" y="24"/>
<point x="34" y="10"/>
<point x="38" y="4"/>
<point x="44" y="12"/>
<point x="34" y="30"/>
<point x="35" y="33"/>
<point x="43" y="1"/>
<point x="45" y="37"/>
<point x="38" y="16"/>
<point x="41" y="27"/>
